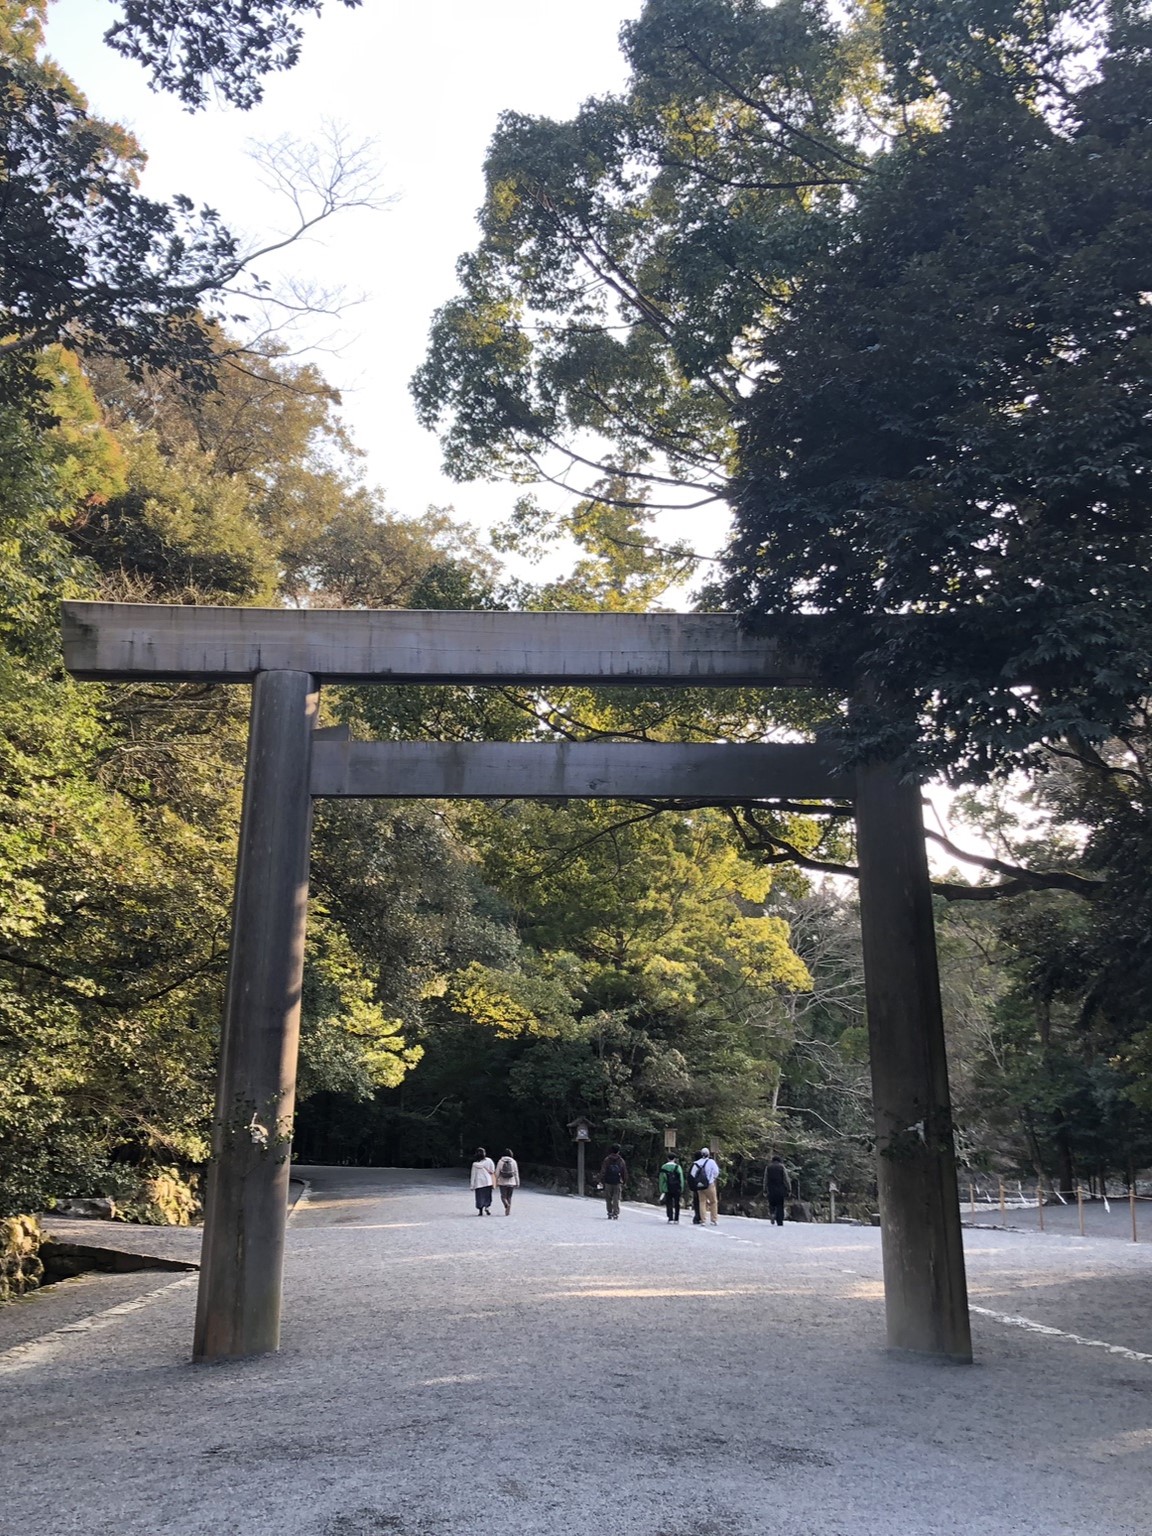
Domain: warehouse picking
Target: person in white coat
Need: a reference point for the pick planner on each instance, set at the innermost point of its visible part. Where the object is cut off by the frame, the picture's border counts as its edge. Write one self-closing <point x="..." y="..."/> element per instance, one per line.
<point x="483" y="1178"/>
<point x="507" y="1178"/>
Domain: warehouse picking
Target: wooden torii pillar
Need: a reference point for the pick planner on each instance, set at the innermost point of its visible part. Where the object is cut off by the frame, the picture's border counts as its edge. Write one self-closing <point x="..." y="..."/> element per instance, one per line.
<point x="287" y="655"/>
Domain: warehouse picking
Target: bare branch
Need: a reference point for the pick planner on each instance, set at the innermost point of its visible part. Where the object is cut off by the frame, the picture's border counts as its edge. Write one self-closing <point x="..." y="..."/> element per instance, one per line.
<point x="1019" y="878"/>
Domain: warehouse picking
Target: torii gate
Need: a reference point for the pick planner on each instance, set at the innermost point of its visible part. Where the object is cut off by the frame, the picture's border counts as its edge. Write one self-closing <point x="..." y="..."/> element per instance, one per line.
<point x="288" y="654"/>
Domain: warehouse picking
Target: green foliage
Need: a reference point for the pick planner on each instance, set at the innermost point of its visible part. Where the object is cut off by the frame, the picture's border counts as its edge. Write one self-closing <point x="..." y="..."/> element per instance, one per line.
<point x="625" y="254"/>
<point x="643" y="987"/>
<point x="194" y="47"/>
<point x="180" y="527"/>
<point x="83" y="254"/>
<point x="119" y="806"/>
<point x="878" y="273"/>
<point x="1046" y="996"/>
<point x="348" y="1043"/>
<point x="949" y="423"/>
<point x="663" y="909"/>
<point x="100" y="975"/>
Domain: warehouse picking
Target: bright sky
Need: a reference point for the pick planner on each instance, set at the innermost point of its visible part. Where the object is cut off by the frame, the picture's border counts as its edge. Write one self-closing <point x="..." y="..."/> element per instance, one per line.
<point x="427" y="83"/>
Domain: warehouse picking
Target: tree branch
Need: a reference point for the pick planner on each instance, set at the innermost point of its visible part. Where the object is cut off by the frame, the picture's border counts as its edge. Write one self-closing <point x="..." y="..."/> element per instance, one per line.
<point x="1019" y="878"/>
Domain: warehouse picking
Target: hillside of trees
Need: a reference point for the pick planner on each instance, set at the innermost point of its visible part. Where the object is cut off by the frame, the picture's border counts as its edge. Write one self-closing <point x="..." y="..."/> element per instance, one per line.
<point x="657" y="277"/>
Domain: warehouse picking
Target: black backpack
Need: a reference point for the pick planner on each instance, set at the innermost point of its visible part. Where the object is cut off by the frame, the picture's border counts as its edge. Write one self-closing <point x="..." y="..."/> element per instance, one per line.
<point x="697" y="1178"/>
<point x="674" y="1180"/>
<point x="614" y="1170"/>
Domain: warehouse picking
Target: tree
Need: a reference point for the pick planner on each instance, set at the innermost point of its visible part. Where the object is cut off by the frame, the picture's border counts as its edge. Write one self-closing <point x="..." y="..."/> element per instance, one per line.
<point x="87" y="260"/>
<point x="824" y="1105"/>
<point x="877" y="275"/>
<point x="657" y="925"/>
<point x="84" y="255"/>
<point x="229" y="45"/>
<point x="629" y="258"/>
<point x="120" y="805"/>
<point x="114" y="907"/>
<point x="948" y="447"/>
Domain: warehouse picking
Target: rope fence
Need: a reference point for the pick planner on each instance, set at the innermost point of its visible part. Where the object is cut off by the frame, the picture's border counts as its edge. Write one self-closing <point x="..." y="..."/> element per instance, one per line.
<point x="1060" y="1212"/>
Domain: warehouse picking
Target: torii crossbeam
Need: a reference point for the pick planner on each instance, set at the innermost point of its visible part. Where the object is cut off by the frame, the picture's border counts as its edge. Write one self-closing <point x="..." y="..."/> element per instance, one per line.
<point x="287" y="655"/>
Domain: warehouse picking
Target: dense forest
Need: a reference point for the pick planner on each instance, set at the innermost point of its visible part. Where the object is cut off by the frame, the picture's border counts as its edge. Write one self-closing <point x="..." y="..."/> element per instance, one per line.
<point x="749" y="277"/>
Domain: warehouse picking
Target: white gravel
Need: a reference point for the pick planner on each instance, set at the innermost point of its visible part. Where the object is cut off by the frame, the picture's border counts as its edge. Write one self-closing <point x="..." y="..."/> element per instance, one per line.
<point x="556" y="1374"/>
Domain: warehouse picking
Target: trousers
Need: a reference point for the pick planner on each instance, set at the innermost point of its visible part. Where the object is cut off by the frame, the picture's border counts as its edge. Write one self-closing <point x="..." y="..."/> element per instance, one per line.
<point x="612" y="1199"/>
<point x="709" y="1204"/>
<point x="672" y="1206"/>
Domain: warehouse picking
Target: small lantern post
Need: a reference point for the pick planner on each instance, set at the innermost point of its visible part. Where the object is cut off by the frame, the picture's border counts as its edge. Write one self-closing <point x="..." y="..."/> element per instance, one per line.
<point x="581" y="1135"/>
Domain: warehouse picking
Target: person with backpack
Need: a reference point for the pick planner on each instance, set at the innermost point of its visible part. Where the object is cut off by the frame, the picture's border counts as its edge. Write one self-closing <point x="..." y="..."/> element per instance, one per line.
<point x="507" y="1178"/>
<point x="693" y="1190"/>
<point x="779" y="1187"/>
<point x="704" y="1174"/>
<point x="672" y="1188"/>
<point x="613" y="1177"/>
<point x="483" y="1176"/>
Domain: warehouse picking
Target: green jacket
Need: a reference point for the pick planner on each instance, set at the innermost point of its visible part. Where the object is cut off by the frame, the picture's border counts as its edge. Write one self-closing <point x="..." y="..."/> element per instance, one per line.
<point x="666" y="1170"/>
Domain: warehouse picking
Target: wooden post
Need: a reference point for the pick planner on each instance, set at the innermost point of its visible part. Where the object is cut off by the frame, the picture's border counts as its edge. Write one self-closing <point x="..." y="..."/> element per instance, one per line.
<point x="972" y="1197"/>
<point x="925" y="1291"/>
<point x="238" y="1307"/>
<point x="580" y="1169"/>
<point x="1040" y="1203"/>
<point x="1002" y="1197"/>
<point x="1080" y="1206"/>
<point x="1132" y="1205"/>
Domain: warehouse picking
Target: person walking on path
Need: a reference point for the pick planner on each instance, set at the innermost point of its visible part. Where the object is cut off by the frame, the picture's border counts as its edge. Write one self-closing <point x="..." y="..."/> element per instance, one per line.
<point x="672" y="1188"/>
<point x="613" y="1176"/>
<point x="507" y="1178"/>
<point x="707" y="1171"/>
<point x="483" y="1177"/>
<point x="779" y="1188"/>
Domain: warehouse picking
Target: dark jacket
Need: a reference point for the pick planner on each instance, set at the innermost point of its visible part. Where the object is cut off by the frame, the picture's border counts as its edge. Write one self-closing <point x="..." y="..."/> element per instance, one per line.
<point x="779" y="1184"/>
<point x="613" y="1170"/>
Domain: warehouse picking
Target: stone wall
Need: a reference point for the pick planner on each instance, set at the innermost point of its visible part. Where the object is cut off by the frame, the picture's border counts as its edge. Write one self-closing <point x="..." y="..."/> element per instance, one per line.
<point x="20" y="1266"/>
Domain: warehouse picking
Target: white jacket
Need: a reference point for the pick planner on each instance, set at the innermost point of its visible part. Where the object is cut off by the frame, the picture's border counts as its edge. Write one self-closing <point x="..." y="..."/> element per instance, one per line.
<point x="483" y="1173"/>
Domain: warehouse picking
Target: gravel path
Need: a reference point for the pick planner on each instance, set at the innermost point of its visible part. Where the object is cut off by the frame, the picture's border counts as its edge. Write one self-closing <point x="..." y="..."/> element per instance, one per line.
<point x="1113" y="1220"/>
<point x="449" y="1375"/>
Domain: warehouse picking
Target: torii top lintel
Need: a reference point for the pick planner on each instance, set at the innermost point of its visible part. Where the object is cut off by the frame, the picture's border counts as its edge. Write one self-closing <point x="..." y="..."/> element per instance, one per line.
<point x="134" y="641"/>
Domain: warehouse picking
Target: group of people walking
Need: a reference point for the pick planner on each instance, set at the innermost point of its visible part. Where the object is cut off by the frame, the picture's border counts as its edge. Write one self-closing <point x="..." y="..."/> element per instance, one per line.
<point x="702" y="1182"/>
<point x="503" y="1175"/>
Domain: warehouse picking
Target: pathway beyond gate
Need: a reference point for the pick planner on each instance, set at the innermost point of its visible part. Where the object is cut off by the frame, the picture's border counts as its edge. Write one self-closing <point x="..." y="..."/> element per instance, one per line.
<point x="554" y="1374"/>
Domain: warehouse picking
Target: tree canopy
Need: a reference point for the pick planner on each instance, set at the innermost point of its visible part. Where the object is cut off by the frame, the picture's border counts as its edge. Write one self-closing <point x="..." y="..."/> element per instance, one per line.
<point x="757" y="277"/>
<point x="876" y="275"/>
<point x="192" y="47"/>
<point x="948" y="447"/>
<point x="87" y="260"/>
<point x="84" y="255"/>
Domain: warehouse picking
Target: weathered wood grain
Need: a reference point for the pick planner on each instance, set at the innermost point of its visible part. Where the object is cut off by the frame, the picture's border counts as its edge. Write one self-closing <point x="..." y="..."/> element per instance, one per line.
<point x="617" y="770"/>
<point x="130" y="641"/>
